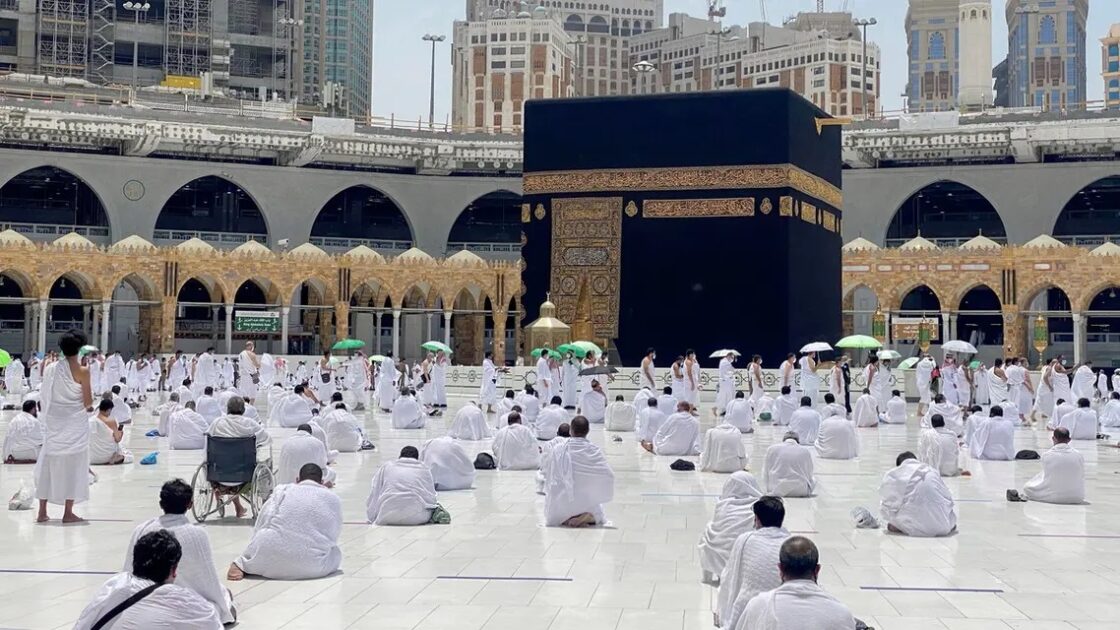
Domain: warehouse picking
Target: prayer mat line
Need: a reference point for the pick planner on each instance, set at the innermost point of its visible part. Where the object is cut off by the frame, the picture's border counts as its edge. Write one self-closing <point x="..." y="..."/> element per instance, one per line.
<point x="672" y="494"/>
<point x="931" y="589"/>
<point x="504" y="579"/>
<point x="1108" y="536"/>
<point x="57" y="572"/>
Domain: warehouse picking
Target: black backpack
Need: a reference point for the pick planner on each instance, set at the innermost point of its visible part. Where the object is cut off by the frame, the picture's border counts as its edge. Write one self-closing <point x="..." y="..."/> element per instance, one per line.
<point x="1026" y="454"/>
<point x="484" y="461"/>
<point x="682" y="464"/>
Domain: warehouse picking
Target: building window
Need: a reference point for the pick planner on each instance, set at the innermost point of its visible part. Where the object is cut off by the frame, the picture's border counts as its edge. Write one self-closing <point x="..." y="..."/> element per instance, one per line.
<point x="1047" y="30"/>
<point x="1114" y="50"/>
<point x="937" y="46"/>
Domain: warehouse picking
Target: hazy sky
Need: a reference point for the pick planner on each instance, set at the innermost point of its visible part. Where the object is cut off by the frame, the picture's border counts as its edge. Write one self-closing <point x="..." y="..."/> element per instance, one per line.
<point x="402" y="60"/>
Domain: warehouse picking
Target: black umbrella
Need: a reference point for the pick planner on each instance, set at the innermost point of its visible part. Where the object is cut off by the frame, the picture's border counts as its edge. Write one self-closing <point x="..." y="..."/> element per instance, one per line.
<point x="598" y="369"/>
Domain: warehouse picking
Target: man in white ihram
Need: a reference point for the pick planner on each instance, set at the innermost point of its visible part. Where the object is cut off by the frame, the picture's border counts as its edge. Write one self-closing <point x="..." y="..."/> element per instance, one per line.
<point x="488" y="390"/>
<point x="299" y="450"/>
<point x="994" y="437"/>
<point x="186" y="429"/>
<point x="343" y="430"/>
<point x="515" y="446"/>
<point x="949" y="412"/>
<point x="923" y="377"/>
<point x="789" y="469"/>
<point x="837" y="439"/>
<point x="196" y="567"/>
<point x="784" y="406"/>
<point x="296" y="533"/>
<point x="550" y="418"/>
<point x="25" y="436"/>
<point x="544" y="377"/>
<point x="165" y="410"/>
<point x="579" y="481"/>
<point x="1062" y="479"/>
<point x="810" y="382"/>
<point x="403" y="492"/>
<point x="722" y="450"/>
<point x="649" y="421"/>
<point x="938" y="448"/>
<point x="293" y="410"/>
<point x="865" y="413"/>
<point x="207" y="405"/>
<point x="62" y="470"/>
<point x="1081" y="423"/>
<point x="158" y="601"/>
<point x="387" y="389"/>
<point x="732" y="517"/>
<point x="469" y="424"/>
<point x="799" y="602"/>
<point x="407" y="412"/>
<point x="740" y="413"/>
<point x="248" y="371"/>
<point x="678" y="435"/>
<point x="726" y="387"/>
<point x="620" y="415"/>
<point x="752" y="565"/>
<point x="915" y="501"/>
<point x="806" y="422"/>
<point x="1083" y="381"/>
<point x="452" y="468"/>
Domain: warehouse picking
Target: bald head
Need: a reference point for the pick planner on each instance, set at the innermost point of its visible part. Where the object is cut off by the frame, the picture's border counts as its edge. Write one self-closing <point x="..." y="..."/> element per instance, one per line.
<point x="798" y="559"/>
<point x="580" y="427"/>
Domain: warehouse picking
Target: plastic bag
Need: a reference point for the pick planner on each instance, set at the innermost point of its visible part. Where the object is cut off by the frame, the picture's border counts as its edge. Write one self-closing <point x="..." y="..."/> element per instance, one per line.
<point x="863" y="518"/>
<point x="23" y="499"/>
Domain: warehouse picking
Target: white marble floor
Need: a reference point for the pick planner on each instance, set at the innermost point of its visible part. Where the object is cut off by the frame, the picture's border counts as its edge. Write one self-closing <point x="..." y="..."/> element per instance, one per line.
<point x="1024" y="566"/>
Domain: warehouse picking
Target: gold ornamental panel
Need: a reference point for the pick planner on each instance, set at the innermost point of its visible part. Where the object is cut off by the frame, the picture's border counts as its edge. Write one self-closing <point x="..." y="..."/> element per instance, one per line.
<point x="694" y="208"/>
<point x="587" y="246"/>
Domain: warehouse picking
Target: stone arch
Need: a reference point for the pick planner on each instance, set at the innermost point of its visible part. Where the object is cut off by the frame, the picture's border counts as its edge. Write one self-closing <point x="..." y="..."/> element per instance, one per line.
<point x="917" y="288"/>
<point x="1084" y="299"/>
<point x="1036" y="290"/>
<point x="230" y="208"/>
<point x="370" y="291"/>
<point x="26" y="284"/>
<point x="318" y="290"/>
<point x="71" y="285"/>
<point x="361" y="213"/>
<point x="494" y="217"/>
<point x="1094" y="210"/>
<point x="945" y="209"/>
<point x="145" y="287"/>
<point x="25" y="197"/>
<point x="856" y="314"/>
<point x="976" y="322"/>
<point x="252" y="290"/>
<point x="215" y="289"/>
<point x="959" y="294"/>
<point x="86" y="284"/>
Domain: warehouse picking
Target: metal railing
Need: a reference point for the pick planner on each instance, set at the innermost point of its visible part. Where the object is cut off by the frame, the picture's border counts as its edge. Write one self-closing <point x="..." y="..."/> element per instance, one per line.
<point x="33" y="230"/>
<point x="219" y="238"/>
<point x="1087" y="240"/>
<point x="9" y="4"/>
<point x="335" y="242"/>
<point x="949" y="241"/>
<point x="487" y="248"/>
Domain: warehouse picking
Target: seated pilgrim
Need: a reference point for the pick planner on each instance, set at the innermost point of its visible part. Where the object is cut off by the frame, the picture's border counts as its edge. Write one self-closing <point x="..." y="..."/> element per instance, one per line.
<point x="299" y="450"/>
<point x="407" y="412"/>
<point x="529" y="403"/>
<point x="896" y="409"/>
<point x="832" y="408"/>
<point x="235" y="425"/>
<point x="788" y="469"/>
<point x="799" y="602"/>
<point x="515" y="446"/>
<point x="452" y="468"/>
<point x="764" y="408"/>
<point x="276" y="394"/>
<point x="593" y="403"/>
<point x="915" y="501"/>
<point x="122" y="413"/>
<point x="865" y="413"/>
<point x="563" y="432"/>
<point x="837" y="439"/>
<point x="733" y="517"/>
<point x="938" y="448"/>
<point x="752" y="564"/>
<point x="1110" y="412"/>
<point x="1062" y="479"/>
<point x="1061" y="408"/>
<point x="1081" y="423"/>
<point x="650" y="420"/>
<point x="25" y="436"/>
<point x="640" y="398"/>
<point x="949" y="412"/>
<point x="579" y="481"/>
<point x="469" y="424"/>
<point x="505" y="405"/>
<point x="975" y="416"/>
<point x="678" y="435"/>
<point x="403" y="492"/>
<point x="343" y="430"/>
<point x="620" y="415"/>
<point x="196" y="567"/>
<point x="294" y="409"/>
<point x="739" y="413"/>
<point x="666" y="402"/>
<point x="105" y="437"/>
<point x="784" y="406"/>
<point x="208" y="406"/>
<point x="722" y="450"/>
<point x="296" y="533"/>
<point x="185" y="392"/>
<point x="550" y="418"/>
<point x="993" y="438"/>
<point x="155" y="560"/>
<point x="165" y="410"/>
<point x="806" y="422"/>
<point x="187" y="429"/>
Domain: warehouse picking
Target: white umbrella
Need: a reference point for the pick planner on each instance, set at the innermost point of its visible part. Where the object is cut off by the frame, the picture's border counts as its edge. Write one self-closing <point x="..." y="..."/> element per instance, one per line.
<point x="957" y="345"/>
<point x="888" y="355"/>
<point x="719" y="354"/>
<point x="816" y="346"/>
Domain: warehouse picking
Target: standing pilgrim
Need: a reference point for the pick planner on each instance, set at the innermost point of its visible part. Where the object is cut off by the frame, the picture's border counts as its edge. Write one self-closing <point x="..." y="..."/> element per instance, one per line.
<point x="997" y="384"/>
<point x="785" y="372"/>
<point x="691" y="377"/>
<point x="569" y="381"/>
<point x="755" y="378"/>
<point x="1083" y="380"/>
<point x="836" y="382"/>
<point x="13" y="377"/>
<point x="646" y="378"/>
<point x="677" y="379"/>
<point x="810" y="382"/>
<point x="544" y="377"/>
<point x="488" y="389"/>
<point x="439" y="380"/>
<point x="923" y="377"/>
<point x="387" y="391"/>
<point x="62" y="471"/>
<point x="726" y="384"/>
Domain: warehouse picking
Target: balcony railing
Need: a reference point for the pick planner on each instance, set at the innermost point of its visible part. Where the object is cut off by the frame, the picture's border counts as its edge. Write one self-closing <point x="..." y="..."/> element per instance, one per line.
<point x="339" y="243"/>
<point x="946" y="242"/>
<point x="48" y="231"/>
<point x="214" y="238"/>
<point x="485" y="248"/>
<point x="1088" y="240"/>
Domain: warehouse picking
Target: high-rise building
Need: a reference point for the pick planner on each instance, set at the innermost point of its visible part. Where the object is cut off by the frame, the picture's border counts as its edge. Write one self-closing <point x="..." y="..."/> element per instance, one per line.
<point x="250" y="48"/>
<point x="933" y="49"/>
<point x="500" y="63"/>
<point x="1110" y="67"/>
<point x="1046" y="53"/>
<point x="817" y="55"/>
<point x="975" y="55"/>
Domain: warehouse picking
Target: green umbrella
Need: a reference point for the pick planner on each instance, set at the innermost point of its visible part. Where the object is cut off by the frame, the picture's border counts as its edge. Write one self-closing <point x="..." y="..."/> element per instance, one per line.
<point x="909" y="363"/>
<point x="5" y="358"/>
<point x="377" y="358"/>
<point x="862" y="342"/>
<point x="348" y="344"/>
<point x="436" y="346"/>
<point x="87" y="350"/>
<point x="587" y="346"/>
<point x="537" y="352"/>
<point x="973" y="365"/>
<point x="576" y="350"/>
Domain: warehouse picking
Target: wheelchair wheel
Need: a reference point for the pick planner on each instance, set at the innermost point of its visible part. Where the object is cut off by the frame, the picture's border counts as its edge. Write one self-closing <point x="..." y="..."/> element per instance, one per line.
<point x="202" y="507"/>
<point x="263" y="483"/>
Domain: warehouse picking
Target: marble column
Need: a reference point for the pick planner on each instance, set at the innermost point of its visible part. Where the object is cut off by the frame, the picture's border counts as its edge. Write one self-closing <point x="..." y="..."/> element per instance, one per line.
<point x="377" y="332"/>
<point x="396" y="334"/>
<point x="105" y="323"/>
<point x="1080" y="322"/>
<point x="946" y="333"/>
<point x="44" y="315"/>
<point x="284" y="311"/>
<point x="447" y="328"/>
<point x="229" y="329"/>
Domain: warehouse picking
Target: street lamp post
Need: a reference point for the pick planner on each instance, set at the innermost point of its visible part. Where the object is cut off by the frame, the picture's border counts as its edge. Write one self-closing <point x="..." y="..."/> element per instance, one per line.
<point x="289" y="24"/>
<point x="581" y="52"/>
<point x="645" y="68"/>
<point x="434" y="39"/>
<point x="137" y="8"/>
<point x="863" y="24"/>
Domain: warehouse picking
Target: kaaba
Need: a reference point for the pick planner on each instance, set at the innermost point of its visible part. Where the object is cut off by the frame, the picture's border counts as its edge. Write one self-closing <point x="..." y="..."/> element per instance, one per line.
<point x="700" y="220"/>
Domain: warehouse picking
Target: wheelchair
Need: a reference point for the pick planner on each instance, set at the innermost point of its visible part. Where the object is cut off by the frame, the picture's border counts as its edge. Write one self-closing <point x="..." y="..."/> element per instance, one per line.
<point x="231" y="470"/>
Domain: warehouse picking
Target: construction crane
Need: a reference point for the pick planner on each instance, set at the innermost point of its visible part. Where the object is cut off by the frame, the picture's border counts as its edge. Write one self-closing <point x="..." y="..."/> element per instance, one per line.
<point x="716" y="10"/>
<point x="762" y="9"/>
<point x="820" y="6"/>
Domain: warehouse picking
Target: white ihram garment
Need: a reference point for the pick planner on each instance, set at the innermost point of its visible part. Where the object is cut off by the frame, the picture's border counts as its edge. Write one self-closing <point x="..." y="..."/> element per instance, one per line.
<point x="165" y="410"/>
<point x="102" y="447"/>
<point x="1081" y="423"/>
<point x="723" y="451"/>
<point x="810" y="382"/>
<point x="620" y="416"/>
<point x="549" y="420"/>
<point x="196" y="568"/>
<point x="407" y="413"/>
<point x="837" y="439"/>
<point x="452" y="468"/>
<point x="488" y="390"/>
<point x="789" y="470"/>
<point x="865" y="412"/>
<point x="186" y="430"/>
<point x="169" y="607"/>
<point x="649" y="423"/>
<point x="1083" y="380"/>
<point x="733" y="517"/>
<point x="515" y="448"/>
<point x="915" y="500"/>
<point x="938" y="449"/>
<point x="806" y="423"/>
<point x="530" y="407"/>
<point x="469" y="424"/>
<point x="923" y="376"/>
<point x="726" y="387"/>
<point x="403" y="493"/>
<point x="949" y="412"/>
<point x="579" y="481"/>
<point x="740" y="415"/>
<point x="678" y="435"/>
<point x="293" y="410"/>
<point x="208" y="407"/>
<point x="343" y="431"/>
<point x="296" y="534"/>
<point x="667" y="404"/>
<point x="300" y="449"/>
<point x="994" y="439"/>
<point x="752" y="568"/>
<point x="796" y="605"/>
<point x="593" y="406"/>
<point x="1110" y="414"/>
<point x="62" y="470"/>
<point x="24" y="438"/>
<point x="1062" y="479"/>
